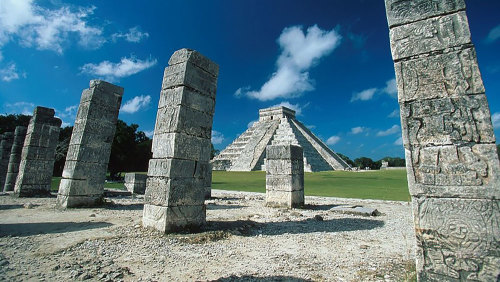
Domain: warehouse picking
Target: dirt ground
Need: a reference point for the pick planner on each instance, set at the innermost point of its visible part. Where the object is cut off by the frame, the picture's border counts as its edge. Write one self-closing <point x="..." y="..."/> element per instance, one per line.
<point x="243" y="241"/>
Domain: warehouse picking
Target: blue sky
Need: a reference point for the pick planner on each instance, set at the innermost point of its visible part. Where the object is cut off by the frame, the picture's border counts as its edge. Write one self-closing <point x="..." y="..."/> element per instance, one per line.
<point x="329" y="60"/>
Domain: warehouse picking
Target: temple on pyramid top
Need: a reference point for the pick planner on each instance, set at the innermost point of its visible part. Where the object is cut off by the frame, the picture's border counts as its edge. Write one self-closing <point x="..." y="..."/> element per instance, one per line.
<point x="276" y="125"/>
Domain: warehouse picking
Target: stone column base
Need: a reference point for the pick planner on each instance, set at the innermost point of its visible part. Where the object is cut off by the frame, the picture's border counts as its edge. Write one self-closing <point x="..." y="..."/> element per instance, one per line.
<point x="285" y="199"/>
<point x="71" y="201"/>
<point x="174" y="219"/>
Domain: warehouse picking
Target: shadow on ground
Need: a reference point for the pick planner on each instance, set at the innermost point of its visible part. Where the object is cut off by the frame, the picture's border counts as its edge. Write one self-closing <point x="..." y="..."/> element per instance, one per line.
<point x="115" y="206"/>
<point x="252" y="228"/>
<point x="223" y="207"/>
<point x="10" y="207"/>
<point x="28" y="229"/>
<point x="249" y="278"/>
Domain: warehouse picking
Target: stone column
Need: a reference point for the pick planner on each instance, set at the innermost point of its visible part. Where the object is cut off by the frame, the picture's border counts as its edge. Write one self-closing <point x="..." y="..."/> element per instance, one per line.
<point x="135" y="182"/>
<point x="5" y="147"/>
<point x="284" y="176"/>
<point x="38" y="154"/>
<point x="84" y="173"/>
<point x="15" y="158"/>
<point x="451" y="157"/>
<point x="175" y="191"/>
<point x="208" y="182"/>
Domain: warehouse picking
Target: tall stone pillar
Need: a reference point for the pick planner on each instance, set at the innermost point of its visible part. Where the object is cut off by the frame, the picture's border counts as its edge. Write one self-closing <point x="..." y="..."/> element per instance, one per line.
<point x="84" y="173"/>
<point x="451" y="158"/>
<point x="38" y="154"/>
<point x="5" y="147"/>
<point x="284" y="176"/>
<point x="175" y="190"/>
<point x="15" y="158"/>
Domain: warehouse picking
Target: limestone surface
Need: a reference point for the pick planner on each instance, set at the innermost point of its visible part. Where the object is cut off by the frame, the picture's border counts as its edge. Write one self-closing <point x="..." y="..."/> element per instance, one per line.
<point x="452" y="162"/>
<point x="15" y="158"/>
<point x="38" y="154"/>
<point x="84" y="173"/>
<point x="276" y="125"/>
<point x="135" y="182"/>
<point x="5" y="148"/>
<point x="284" y="176"/>
<point x="179" y="174"/>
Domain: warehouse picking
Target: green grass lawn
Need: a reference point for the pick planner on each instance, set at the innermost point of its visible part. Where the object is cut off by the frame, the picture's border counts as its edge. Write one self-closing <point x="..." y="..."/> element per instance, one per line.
<point x="383" y="184"/>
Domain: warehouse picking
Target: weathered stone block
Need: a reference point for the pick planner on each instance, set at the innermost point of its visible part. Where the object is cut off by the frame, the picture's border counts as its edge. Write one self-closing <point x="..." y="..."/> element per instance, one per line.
<point x="74" y="201"/>
<point x="287" y="199"/>
<point x="80" y="187"/>
<point x="292" y="182"/>
<point x="447" y="121"/>
<point x="135" y="182"/>
<point x="102" y="92"/>
<point x="454" y="171"/>
<point x="292" y="152"/>
<point x="165" y="191"/>
<point x="173" y="218"/>
<point x="207" y="181"/>
<point x="440" y="76"/>
<point x="89" y="153"/>
<point x="180" y="119"/>
<point x="457" y="239"/>
<point x="197" y="59"/>
<point x="429" y="35"/>
<point x="187" y="74"/>
<point x="79" y="169"/>
<point x="284" y="167"/>
<point x="92" y="111"/>
<point x="407" y="11"/>
<point x="177" y="168"/>
<point x="83" y="132"/>
<point x="186" y="97"/>
<point x="181" y="146"/>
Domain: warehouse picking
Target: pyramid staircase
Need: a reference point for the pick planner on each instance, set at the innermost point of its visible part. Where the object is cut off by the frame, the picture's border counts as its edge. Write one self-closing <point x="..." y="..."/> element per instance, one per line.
<point x="276" y="126"/>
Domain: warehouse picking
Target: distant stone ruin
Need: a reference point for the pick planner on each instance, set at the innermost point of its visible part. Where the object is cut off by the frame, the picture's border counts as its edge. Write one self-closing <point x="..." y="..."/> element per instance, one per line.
<point x="135" y="182"/>
<point x="284" y="176"/>
<point x="276" y="126"/>
<point x="84" y="173"/>
<point x="15" y="158"/>
<point x="5" y="147"/>
<point x="38" y="154"/>
<point x="451" y="158"/>
<point x="175" y="189"/>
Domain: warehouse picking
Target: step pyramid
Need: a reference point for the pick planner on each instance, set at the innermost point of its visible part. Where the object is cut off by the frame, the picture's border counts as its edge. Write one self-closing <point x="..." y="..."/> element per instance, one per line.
<point x="276" y="125"/>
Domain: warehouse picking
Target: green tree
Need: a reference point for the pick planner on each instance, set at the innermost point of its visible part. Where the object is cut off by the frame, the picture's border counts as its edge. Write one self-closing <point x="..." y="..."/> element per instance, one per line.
<point x="346" y="159"/>
<point x="364" y="162"/>
<point x="8" y="123"/>
<point x="394" y="161"/>
<point x="62" y="149"/>
<point x="214" y="152"/>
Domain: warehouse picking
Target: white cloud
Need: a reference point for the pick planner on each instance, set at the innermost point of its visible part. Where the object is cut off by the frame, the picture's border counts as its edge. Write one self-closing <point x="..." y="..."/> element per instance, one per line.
<point x="149" y="133"/>
<point x="391" y="88"/>
<point x="364" y="95"/>
<point x="241" y="91"/>
<point x="494" y="34"/>
<point x="134" y="34"/>
<point x="296" y="107"/>
<point x="495" y="119"/>
<point x="394" y="129"/>
<point x="394" y="114"/>
<point x="67" y="116"/>
<point x="332" y="140"/>
<point x="137" y="103"/>
<point x="217" y="137"/>
<point x="24" y="108"/>
<point x="399" y="141"/>
<point x="310" y="126"/>
<point x="357" y="130"/>
<point x="10" y="73"/>
<point x="47" y="29"/>
<point x="113" y="71"/>
<point x="299" y="52"/>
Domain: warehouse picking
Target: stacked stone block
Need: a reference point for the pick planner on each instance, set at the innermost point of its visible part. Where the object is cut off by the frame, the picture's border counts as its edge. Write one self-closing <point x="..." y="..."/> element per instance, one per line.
<point x="15" y="158"/>
<point x="135" y="182"/>
<point x="208" y="182"/>
<point x="5" y="148"/>
<point x="284" y="176"/>
<point x="175" y="189"/>
<point x="452" y="163"/>
<point x="38" y="154"/>
<point x="84" y="173"/>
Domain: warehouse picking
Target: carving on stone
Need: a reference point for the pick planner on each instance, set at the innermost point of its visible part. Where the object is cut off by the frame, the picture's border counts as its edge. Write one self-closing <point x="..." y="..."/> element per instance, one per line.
<point x="429" y="35"/>
<point x="404" y="11"/>
<point x="447" y="121"/>
<point x="440" y="76"/>
<point x="458" y="237"/>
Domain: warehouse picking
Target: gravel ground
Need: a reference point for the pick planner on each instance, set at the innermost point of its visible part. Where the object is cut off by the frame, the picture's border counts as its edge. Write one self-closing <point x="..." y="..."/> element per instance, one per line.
<point x="243" y="241"/>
